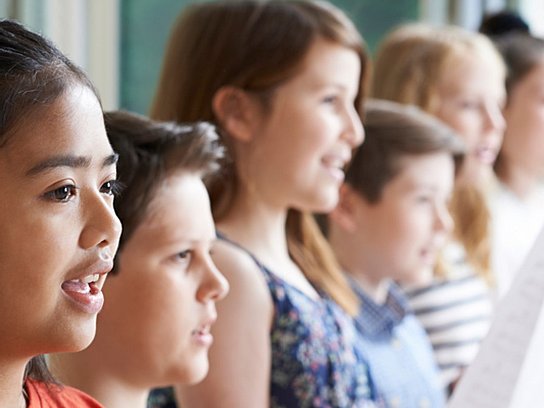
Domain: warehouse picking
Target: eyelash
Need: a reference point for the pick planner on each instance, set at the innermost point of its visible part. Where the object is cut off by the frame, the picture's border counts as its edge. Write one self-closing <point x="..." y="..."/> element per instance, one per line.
<point x="183" y="254"/>
<point x="67" y="191"/>
<point x="184" y="257"/>
<point x="115" y="187"/>
<point x="331" y="99"/>
<point x="64" y="193"/>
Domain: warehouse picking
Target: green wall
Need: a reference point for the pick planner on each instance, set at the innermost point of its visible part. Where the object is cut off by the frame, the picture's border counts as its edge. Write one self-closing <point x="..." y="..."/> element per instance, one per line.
<point x="145" y="25"/>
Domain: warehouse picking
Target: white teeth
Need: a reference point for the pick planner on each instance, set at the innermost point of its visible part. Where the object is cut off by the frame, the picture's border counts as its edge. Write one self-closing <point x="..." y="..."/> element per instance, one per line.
<point x="90" y="278"/>
<point x="334" y="162"/>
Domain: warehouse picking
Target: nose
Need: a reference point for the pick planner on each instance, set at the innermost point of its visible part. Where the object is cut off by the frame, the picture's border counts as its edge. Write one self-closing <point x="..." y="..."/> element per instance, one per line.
<point x="354" y="131"/>
<point x="102" y="227"/>
<point x="443" y="219"/>
<point x="494" y="118"/>
<point x="214" y="285"/>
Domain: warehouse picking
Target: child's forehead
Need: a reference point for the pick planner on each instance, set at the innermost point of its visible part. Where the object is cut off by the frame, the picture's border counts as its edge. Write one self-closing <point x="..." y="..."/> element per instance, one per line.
<point x="179" y="200"/>
<point x="470" y="75"/>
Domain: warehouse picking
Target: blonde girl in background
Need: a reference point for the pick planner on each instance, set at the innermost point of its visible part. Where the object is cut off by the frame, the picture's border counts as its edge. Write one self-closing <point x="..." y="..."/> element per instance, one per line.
<point x="283" y="81"/>
<point x="457" y="76"/>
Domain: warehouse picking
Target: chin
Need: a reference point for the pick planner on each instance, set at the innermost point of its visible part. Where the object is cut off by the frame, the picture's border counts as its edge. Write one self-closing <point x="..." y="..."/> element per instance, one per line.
<point x="80" y="336"/>
<point x="196" y="373"/>
<point x="422" y="276"/>
<point x="324" y="203"/>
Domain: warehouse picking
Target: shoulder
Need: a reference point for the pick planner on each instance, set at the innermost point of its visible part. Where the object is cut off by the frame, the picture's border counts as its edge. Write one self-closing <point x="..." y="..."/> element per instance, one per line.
<point x="249" y="298"/>
<point x="44" y="395"/>
<point x="245" y="275"/>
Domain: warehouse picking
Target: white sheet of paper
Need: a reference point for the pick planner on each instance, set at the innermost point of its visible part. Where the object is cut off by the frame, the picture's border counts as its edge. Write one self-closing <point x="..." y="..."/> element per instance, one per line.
<point x="508" y="372"/>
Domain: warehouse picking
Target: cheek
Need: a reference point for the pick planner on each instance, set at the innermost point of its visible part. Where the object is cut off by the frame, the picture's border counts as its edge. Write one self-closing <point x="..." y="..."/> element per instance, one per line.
<point x="415" y="227"/>
<point x="171" y="308"/>
<point x="469" y="130"/>
<point x="41" y="252"/>
<point x="467" y="124"/>
<point x="534" y="121"/>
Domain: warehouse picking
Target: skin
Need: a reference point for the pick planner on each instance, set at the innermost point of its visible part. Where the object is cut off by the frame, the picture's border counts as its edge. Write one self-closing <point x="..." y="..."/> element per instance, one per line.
<point x="286" y="157"/>
<point x="58" y="224"/>
<point x="471" y="96"/>
<point x="160" y="306"/>
<point x="398" y="237"/>
<point x="522" y="153"/>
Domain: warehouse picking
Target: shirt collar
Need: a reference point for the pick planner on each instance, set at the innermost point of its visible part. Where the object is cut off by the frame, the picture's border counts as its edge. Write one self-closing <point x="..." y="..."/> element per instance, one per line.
<point x="374" y="319"/>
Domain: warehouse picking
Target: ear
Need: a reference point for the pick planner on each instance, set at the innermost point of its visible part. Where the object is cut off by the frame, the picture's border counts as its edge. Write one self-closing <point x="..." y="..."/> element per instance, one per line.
<point x="344" y="214"/>
<point x="236" y="112"/>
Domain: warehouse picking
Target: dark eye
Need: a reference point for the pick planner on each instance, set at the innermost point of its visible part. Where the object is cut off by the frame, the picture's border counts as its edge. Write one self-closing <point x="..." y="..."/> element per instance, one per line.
<point x="111" y="187"/>
<point x="184" y="255"/>
<point x="470" y="105"/>
<point x="331" y="99"/>
<point x="62" y="194"/>
<point x="424" y="199"/>
<point x="183" y="259"/>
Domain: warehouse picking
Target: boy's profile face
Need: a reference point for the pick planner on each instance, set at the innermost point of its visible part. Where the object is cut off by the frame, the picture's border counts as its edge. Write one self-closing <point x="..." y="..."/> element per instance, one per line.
<point x="401" y="234"/>
<point x="155" y="326"/>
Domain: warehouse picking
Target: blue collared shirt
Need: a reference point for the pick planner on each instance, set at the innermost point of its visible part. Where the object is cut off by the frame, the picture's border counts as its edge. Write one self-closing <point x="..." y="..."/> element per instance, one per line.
<point x="399" y="354"/>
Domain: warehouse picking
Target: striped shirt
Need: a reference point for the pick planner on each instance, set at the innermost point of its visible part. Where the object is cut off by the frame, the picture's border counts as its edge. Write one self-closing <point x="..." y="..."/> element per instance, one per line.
<point x="456" y="312"/>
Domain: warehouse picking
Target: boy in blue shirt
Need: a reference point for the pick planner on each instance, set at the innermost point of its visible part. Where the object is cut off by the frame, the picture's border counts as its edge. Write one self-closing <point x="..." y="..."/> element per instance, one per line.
<point x="389" y="226"/>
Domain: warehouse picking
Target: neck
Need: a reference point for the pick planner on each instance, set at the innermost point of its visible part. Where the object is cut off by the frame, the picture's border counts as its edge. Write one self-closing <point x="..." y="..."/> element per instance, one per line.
<point x="376" y="289"/>
<point x="11" y="384"/>
<point x="351" y="259"/>
<point x="85" y="372"/>
<point x="518" y="179"/>
<point x="258" y="227"/>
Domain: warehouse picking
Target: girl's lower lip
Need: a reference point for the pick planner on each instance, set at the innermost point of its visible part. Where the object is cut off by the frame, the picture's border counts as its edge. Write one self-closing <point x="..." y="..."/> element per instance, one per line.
<point x="203" y="339"/>
<point x="336" y="173"/>
<point x="90" y="302"/>
<point x="487" y="157"/>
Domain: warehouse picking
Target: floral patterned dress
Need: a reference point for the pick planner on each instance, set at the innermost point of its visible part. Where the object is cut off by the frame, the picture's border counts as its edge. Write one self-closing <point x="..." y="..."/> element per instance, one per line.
<point x="315" y="359"/>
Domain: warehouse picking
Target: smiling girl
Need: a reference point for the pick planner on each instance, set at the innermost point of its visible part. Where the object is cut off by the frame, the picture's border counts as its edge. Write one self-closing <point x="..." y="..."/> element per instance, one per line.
<point x="283" y="82"/>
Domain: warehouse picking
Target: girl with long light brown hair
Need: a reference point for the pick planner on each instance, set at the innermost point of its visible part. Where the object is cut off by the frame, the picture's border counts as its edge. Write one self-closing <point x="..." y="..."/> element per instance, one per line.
<point x="282" y="80"/>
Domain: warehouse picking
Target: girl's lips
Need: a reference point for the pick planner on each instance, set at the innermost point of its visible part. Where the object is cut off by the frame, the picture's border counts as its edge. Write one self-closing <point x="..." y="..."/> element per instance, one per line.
<point x="85" y="292"/>
<point x="334" y="164"/>
<point x="486" y="155"/>
<point x="85" y="296"/>
<point x="336" y="173"/>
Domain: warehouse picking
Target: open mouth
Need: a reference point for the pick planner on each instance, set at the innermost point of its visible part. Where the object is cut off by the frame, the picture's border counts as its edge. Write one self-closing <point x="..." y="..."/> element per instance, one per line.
<point x="86" y="292"/>
<point x="335" y="166"/>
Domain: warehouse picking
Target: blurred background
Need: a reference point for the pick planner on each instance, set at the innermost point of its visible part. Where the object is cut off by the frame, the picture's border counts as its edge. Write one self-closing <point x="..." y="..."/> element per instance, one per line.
<point x="120" y="43"/>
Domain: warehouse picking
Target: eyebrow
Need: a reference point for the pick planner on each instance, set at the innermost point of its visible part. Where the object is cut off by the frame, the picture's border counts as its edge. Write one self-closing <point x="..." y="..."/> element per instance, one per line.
<point x="69" y="161"/>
